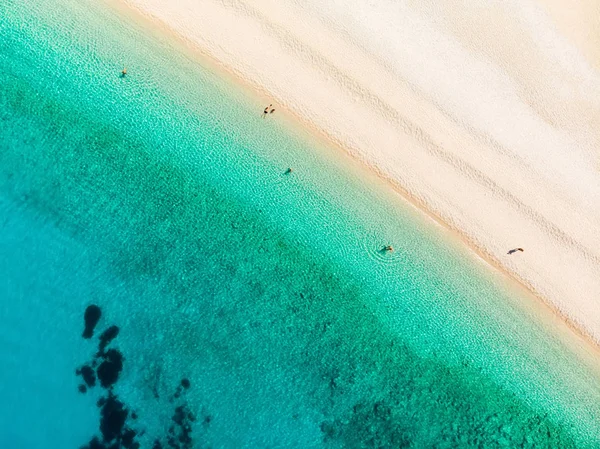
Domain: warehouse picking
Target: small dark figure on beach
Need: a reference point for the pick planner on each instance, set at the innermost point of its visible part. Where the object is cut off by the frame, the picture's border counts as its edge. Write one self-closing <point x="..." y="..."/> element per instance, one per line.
<point x="512" y="251"/>
<point x="124" y="72"/>
<point x="266" y="111"/>
<point x="271" y="111"/>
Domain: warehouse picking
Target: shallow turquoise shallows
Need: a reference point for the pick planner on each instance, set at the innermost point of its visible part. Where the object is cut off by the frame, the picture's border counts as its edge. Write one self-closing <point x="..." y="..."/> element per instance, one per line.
<point x="163" y="197"/>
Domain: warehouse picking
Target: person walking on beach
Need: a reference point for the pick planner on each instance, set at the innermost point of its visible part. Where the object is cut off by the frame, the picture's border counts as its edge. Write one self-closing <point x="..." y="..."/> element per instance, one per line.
<point x="266" y="111"/>
<point x="512" y="251"/>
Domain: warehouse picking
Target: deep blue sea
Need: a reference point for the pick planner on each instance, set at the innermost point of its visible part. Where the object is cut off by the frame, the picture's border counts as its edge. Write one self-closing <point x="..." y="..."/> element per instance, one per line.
<point x="230" y="302"/>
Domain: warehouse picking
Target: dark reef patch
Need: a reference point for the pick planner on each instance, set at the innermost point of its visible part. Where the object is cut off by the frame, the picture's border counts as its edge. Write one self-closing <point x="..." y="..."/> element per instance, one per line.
<point x="106" y="337"/>
<point x="114" y="414"/>
<point x="94" y="444"/>
<point x="88" y="375"/>
<point x="180" y="432"/>
<point x="110" y="368"/>
<point x="116" y="432"/>
<point x="184" y="385"/>
<point x="91" y="317"/>
<point x="128" y="439"/>
<point x="422" y="395"/>
<point x="369" y="426"/>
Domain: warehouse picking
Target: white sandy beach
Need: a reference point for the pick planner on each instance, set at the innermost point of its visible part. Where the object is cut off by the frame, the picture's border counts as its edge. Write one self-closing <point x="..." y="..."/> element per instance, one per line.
<point x="484" y="113"/>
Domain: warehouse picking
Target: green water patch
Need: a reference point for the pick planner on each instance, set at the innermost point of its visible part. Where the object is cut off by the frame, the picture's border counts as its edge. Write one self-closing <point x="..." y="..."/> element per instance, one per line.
<point x="180" y="188"/>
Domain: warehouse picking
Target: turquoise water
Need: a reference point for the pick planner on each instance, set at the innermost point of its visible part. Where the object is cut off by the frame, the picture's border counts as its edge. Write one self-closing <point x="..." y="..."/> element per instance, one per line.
<point x="162" y="197"/>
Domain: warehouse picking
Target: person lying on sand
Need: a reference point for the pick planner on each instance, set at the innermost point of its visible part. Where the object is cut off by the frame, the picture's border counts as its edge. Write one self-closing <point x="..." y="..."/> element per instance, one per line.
<point x="515" y="250"/>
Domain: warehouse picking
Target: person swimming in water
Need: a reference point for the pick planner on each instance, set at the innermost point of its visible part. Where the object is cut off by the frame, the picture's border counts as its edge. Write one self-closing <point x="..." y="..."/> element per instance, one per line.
<point x="388" y="248"/>
<point x="266" y="111"/>
<point x="123" y="72"/>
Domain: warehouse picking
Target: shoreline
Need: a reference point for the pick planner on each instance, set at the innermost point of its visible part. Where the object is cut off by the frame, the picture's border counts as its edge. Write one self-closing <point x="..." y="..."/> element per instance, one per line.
<point x="307" y="127"/>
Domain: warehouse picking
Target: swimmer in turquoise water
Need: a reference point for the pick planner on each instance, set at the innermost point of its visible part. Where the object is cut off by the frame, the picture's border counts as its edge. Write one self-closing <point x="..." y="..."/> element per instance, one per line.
<point x="266" y="111"/>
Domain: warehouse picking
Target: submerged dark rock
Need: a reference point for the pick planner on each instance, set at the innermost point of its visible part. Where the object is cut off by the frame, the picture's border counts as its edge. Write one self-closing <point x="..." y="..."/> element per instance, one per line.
<point x="127" y="439"/>
<point x="95" y="443"/>
<point x="106" y="337"/>
<point x="91" y="317"/>
<point x="88" y="375"/>
<point x="182" y="428"/>
<point x="180" y="415"/>
<point x="109" y="370"/>
<point x="113" y="415"/>
<point x="185" y="438"/>
<point x="106" y="367"/>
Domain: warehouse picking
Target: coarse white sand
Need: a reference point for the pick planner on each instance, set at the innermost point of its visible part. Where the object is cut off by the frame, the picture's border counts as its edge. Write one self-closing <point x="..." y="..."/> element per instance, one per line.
<point x="484" y="112"/>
